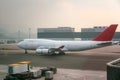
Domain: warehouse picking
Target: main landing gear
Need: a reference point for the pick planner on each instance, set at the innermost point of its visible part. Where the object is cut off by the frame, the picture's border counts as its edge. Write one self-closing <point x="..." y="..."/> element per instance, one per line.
<point x="26" y="52"/>
<point x="61" y="53"/>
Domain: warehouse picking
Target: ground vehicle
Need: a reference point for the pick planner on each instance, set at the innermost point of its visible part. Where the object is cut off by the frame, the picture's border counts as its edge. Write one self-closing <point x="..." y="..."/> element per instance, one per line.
<point x="24" y="71"/>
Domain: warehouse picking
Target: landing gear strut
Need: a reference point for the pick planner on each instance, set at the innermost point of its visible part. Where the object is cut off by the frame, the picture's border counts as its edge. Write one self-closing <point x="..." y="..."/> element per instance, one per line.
<point x="26" y="52"/>
<point x="62" y="53"/>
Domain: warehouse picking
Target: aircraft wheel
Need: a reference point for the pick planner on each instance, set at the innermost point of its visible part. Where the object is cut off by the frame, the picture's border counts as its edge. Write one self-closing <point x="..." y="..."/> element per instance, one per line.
<point x="62" y="53"/>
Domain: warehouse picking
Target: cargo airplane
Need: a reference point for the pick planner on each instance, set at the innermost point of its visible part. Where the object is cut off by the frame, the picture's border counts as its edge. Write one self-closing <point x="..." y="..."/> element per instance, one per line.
<point x="50" y="47"/>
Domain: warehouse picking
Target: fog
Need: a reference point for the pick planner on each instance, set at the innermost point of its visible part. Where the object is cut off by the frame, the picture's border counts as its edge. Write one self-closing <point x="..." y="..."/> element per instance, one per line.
<point x="20" y="15"/>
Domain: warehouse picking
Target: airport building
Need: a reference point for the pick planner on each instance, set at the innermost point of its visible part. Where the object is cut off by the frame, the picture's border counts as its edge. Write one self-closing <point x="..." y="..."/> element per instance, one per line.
<point x="60" y="33"/>
<point x="94" y="29"/>
<point x="90" y="33"/>
<point x="68" y="33"/>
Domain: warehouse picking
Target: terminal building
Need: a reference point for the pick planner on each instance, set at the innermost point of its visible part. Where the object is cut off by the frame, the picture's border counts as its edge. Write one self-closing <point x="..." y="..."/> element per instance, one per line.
<point x="68" y="33"/>
<point x="90" y="33"/>
<point x="60" y="33"/>
<point x="94" y="29"/>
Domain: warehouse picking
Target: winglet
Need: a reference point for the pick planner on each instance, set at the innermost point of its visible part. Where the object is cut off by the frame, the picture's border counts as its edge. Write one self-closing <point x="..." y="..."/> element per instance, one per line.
<point x="107" y="34"/>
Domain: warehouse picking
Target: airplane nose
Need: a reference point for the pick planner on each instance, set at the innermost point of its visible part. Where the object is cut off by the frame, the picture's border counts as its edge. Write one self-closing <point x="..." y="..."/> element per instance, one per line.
<point x="20" y="44"/>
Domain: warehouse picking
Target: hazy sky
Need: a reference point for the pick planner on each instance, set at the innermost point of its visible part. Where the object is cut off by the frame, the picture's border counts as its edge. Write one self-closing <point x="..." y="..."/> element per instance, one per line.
<point x="23" y="14"/>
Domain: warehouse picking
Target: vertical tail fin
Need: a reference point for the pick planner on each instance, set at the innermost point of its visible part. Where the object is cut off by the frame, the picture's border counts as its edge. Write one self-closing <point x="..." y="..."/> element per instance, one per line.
<point x="107" y="34"/>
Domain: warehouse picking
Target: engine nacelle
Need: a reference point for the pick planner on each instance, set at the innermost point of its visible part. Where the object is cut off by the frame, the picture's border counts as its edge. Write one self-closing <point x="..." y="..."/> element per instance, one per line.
<point x="49" y="51"/>
<point x="42" y="51"/>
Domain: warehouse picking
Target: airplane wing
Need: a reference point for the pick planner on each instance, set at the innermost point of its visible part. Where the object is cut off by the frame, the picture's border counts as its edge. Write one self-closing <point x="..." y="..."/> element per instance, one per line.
<point x="108" y="43"/>
<point x="104" y="43"/>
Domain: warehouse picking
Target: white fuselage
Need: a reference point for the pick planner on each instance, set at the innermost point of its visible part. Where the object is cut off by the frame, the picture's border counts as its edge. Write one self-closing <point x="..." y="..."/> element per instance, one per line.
<point x="33" y="44"/>
<point x="46" y="46"/>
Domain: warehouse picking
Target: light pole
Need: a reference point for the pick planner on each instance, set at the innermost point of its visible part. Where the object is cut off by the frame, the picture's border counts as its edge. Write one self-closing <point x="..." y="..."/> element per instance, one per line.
<point x="19" y="34"/>
<point x="29" y="33"/>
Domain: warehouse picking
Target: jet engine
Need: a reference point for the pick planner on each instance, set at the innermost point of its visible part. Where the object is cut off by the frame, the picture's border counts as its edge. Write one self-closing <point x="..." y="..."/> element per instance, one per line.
<point x="45" y="51"/>
<point x="50" y="51"/>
